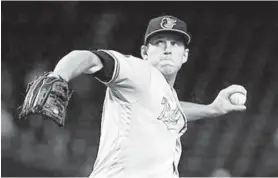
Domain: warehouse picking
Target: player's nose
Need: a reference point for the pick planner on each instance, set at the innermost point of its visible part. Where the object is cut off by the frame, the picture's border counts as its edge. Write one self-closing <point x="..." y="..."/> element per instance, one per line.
<point x="168" y="47"/>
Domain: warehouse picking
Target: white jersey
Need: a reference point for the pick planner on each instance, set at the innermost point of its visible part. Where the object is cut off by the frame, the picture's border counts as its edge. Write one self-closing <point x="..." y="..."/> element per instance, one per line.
<point x="141" y="124"/>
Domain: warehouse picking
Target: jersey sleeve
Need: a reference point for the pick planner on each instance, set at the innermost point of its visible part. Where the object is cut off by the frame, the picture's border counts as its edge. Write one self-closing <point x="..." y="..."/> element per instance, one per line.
<point x="105" y="74"/>
<point x="126" y="75"/>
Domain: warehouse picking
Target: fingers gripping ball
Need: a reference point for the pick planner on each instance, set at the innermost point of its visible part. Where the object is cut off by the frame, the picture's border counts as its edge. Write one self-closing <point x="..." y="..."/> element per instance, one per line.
<point x="238" y="98"/>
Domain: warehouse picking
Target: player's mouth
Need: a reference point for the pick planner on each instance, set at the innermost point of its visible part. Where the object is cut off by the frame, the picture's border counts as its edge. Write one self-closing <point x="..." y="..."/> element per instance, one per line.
<point x="166" y="58"/>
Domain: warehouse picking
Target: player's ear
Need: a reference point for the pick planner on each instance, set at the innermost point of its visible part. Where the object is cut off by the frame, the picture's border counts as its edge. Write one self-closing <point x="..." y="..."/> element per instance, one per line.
<point x="144" y="53"/>
<point x="185" y="55"/>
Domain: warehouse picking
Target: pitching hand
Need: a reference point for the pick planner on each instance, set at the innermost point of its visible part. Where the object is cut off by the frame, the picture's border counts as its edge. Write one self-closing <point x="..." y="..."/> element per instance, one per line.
<point x="222" y="103"/>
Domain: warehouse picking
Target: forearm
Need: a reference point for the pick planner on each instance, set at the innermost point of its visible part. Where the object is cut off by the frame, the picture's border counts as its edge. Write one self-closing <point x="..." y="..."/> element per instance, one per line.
<point x="77" y="62"/>
<point x="195" y="111"/>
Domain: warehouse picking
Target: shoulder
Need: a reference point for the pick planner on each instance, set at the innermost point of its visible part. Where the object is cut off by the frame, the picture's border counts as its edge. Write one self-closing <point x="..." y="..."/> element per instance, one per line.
<point x="128" y="58"/>
<point x="117" y="54"/>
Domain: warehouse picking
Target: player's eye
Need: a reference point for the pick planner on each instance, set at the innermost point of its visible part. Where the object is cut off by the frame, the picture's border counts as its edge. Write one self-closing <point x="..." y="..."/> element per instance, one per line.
<point x="158" y="42"/>
<point x="176" y="43"/>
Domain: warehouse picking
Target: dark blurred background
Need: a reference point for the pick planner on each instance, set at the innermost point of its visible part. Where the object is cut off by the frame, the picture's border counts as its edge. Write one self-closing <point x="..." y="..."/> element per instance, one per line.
<point x="232" y="43"/>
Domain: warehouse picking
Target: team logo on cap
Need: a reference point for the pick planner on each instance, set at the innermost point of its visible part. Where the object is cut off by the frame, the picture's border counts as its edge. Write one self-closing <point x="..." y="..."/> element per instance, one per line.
<point x="168" y="23"/>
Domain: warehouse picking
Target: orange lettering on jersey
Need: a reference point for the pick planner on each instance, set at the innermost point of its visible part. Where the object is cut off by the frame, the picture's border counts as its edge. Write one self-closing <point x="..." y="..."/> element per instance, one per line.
<point x="169" y="116"/>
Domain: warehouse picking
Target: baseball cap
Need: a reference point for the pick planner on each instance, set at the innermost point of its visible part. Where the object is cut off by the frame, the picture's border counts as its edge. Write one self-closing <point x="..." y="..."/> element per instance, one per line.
<point x="167" y="23"/>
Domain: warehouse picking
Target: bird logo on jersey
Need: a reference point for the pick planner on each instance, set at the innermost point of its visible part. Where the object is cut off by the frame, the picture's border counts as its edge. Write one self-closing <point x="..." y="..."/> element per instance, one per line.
<point x="167" y="23"/>
<point x="169" y="116"/>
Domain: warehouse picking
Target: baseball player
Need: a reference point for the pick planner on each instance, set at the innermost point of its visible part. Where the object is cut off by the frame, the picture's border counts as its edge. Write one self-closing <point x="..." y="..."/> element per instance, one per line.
<point x="143" y="119"/>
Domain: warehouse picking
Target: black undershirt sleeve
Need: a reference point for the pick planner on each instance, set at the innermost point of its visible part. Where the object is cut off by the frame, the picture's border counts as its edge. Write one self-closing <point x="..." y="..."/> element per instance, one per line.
<point x="106" y="73"/>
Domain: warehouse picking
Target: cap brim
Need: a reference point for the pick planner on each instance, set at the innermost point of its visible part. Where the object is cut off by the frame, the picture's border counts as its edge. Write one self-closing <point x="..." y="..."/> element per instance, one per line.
<point x="168" y="30"/>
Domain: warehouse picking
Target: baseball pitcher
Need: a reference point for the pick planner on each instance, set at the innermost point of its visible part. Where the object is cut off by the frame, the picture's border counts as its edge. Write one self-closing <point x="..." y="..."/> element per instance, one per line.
<point x="142" y="119"/>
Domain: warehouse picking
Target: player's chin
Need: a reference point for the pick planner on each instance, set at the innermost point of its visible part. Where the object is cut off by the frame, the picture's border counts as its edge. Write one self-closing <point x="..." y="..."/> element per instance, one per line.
<point x="168" y="70"/>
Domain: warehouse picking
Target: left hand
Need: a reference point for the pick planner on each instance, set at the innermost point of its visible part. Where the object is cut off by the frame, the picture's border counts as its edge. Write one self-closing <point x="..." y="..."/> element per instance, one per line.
<point x="47" y="95"/>
<point x="222" y="104"/>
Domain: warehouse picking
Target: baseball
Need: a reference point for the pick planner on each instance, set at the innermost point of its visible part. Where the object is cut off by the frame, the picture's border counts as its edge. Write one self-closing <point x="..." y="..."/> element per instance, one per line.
<point x="238" y="98"/>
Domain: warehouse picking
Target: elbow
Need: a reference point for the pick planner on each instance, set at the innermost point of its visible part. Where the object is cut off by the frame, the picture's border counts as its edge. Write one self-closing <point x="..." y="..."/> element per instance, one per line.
<point x="84" y="56"/>
<point x="80" y="53"/>
<point x="90" y="61"/>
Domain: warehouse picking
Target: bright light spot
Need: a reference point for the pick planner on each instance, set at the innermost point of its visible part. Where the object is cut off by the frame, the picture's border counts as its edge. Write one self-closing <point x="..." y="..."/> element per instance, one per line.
<point x="221" y="172"/>
<point x="275" y="139"/>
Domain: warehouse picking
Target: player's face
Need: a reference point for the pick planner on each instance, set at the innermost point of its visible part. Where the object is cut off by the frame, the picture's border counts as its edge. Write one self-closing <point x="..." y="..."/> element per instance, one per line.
<point x="166" y="52"/>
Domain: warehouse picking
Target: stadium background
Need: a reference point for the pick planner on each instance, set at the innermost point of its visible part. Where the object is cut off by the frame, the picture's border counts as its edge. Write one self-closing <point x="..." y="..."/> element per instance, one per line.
<point x="233" y="43"/>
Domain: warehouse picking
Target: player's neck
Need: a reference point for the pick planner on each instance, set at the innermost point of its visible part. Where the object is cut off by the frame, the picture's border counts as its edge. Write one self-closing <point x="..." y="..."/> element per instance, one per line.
<point x="170" y="79"/>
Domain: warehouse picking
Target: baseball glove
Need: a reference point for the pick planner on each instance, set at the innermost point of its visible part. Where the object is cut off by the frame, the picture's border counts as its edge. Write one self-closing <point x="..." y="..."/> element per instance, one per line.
<point x="47" y="95"/>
